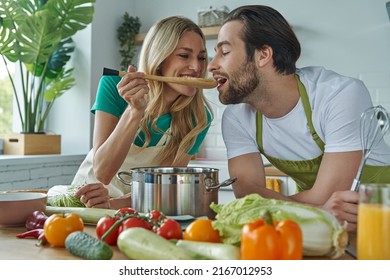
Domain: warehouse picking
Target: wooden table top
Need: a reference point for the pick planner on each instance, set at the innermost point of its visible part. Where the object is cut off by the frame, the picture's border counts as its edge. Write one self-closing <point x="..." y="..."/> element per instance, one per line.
<point x="12" y="248"/>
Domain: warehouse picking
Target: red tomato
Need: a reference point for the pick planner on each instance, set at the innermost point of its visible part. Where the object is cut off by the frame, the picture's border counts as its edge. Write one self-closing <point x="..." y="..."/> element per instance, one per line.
<point x="155" y="216"/>
<point x="170" y="229"/>
<point x="103" y="225"/>
<point x="126" y="210"/>
<point x="133" y="222"/>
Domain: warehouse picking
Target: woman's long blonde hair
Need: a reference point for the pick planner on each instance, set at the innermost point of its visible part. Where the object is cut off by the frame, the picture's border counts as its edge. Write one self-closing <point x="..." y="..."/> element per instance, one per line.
<point x="189" y="115"/>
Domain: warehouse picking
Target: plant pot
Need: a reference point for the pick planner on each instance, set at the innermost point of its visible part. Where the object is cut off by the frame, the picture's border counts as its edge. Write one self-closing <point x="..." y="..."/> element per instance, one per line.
<point x="32" y="144"/>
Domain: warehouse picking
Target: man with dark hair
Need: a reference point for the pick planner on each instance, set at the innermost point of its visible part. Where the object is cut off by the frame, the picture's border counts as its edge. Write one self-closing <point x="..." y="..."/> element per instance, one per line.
<point x="304" y="121"/>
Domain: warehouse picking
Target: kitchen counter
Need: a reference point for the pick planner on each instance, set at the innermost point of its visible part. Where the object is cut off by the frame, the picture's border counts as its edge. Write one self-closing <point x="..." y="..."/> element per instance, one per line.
<point x="13" y="248"/>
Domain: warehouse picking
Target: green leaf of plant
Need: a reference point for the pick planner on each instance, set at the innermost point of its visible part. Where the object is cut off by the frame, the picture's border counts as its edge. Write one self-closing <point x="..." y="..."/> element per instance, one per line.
<point x="31" y="6"/>
<point x="38" y="37"/>
<point x="12" y="14"/>
<point x="60" y="85"/>
<point x="6" y="44"/>
<point x="59" y="58"/>
<point x="73" y="15"/>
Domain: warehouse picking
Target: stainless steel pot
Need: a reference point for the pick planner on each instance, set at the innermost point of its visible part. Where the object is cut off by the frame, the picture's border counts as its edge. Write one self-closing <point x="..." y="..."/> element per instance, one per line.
<point x="176" y="191"/>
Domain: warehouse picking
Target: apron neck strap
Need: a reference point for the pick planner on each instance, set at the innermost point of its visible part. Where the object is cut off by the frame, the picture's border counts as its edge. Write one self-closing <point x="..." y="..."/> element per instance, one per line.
<point x="308" y="113"/>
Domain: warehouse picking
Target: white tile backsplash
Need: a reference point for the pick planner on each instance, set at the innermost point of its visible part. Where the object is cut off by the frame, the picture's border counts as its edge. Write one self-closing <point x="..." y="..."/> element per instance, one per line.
<point x="37" y="172"/>
<point x="378" y="83"/>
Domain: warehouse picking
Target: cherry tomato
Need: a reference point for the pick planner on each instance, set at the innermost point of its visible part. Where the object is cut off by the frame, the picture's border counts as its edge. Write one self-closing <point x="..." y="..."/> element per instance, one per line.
<point x="58" y="226"/>
<point x="123" y="211"/>
<point x="103" y="225"/>
<point x="202" y="230"/>
<point x="170" y="229"/>
<point x="155" y="216"/>
<point x="133" y="222"/>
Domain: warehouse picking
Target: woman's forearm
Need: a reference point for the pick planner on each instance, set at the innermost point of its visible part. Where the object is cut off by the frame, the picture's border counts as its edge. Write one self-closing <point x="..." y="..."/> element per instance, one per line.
<point x="110" y="155"/>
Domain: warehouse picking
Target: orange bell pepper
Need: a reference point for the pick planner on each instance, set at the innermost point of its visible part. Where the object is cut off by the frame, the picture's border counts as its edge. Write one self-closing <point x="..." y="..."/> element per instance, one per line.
<point x="264" y="239"/>
<point x="58" y="226"/>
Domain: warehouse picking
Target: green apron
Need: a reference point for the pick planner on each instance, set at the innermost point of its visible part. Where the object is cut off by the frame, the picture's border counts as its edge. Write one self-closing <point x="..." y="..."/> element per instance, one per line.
<point x="304" y="172"/>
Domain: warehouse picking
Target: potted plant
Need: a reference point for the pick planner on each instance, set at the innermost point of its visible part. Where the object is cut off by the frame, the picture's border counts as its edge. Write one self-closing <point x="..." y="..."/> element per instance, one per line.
<point x="127" y="32"/>
<point x="36" y="35"/>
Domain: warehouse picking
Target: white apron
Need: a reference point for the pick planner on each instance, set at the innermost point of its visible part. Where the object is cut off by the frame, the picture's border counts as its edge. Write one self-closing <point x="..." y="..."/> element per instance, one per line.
<point x="136" y="157"/>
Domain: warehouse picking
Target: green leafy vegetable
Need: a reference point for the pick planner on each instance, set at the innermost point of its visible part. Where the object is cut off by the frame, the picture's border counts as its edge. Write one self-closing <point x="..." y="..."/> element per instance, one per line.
<point x="322" y="233"/>
<point x="66" y="199"/>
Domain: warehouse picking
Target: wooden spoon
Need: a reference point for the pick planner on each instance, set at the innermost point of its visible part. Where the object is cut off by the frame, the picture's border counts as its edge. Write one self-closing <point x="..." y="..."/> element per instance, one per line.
<point x="187" y="81"/>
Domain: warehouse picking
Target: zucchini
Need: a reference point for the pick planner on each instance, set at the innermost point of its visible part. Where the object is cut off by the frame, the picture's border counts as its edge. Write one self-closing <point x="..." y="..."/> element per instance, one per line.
<point x="142" y="244"/>
<point x="83" y="245"/>
<point x="213" y="251"/>
<point x="88" y="215"/>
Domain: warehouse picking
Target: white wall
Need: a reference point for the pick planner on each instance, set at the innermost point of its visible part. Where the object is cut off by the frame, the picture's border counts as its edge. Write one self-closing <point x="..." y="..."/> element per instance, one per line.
<point x="96" y="47"/>
<point x="351" y="37"/>
<point x="70" y="115"/>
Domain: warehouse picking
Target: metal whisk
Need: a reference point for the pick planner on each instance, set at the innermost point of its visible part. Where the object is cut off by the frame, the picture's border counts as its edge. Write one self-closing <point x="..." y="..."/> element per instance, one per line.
<point x="374" y="123"/>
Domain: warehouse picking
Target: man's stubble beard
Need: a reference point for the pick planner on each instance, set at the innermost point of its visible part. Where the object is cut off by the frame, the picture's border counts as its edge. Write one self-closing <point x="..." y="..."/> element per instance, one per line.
<point x="242" y="83"/>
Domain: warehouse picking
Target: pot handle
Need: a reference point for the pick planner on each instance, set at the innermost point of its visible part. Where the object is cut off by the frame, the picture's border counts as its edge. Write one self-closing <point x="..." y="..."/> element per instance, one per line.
<point x="225" y="183"/>
<point x="119" y="176"/>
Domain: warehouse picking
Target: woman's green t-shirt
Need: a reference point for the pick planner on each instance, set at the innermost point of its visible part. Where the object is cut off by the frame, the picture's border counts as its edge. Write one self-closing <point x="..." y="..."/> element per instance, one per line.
<point x="108" y="100"/>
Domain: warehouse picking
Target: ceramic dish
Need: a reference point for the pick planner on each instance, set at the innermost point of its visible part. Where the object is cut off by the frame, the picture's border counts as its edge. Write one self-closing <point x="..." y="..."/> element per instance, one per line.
<point x="15" y="207"/>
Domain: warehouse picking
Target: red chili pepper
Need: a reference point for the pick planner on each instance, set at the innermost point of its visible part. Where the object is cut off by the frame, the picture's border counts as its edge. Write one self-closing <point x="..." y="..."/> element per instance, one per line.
<point x="41" y="239"/>
<point x="34" y="233"/>
<point x="36" y="220"/>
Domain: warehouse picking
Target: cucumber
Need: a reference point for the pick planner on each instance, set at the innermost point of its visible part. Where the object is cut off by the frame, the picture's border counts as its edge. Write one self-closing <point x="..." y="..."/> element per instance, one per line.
<point x="142" y="244"/>
<point x="83" y="245"/>
<point x="89" y="215"/>
<point x="213" y="251"/>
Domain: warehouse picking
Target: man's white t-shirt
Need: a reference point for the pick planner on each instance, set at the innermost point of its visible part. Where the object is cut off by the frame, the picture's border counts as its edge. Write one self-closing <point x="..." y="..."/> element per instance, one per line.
<point x="337" y="103"/>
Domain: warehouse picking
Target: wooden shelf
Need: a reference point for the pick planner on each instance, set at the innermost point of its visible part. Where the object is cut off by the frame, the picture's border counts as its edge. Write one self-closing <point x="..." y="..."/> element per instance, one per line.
<point x="209" y="32"/>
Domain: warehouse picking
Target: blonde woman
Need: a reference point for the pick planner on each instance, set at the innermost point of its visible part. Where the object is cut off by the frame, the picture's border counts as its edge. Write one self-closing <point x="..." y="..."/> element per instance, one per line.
<point x="142" y="123"/>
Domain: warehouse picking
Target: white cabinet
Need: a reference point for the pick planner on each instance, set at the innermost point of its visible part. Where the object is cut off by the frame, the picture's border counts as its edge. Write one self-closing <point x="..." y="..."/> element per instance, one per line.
<point x="225" y="196"/>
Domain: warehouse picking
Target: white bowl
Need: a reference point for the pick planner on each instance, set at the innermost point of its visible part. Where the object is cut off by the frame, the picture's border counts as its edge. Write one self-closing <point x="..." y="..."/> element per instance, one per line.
<point x="15" y="207"/>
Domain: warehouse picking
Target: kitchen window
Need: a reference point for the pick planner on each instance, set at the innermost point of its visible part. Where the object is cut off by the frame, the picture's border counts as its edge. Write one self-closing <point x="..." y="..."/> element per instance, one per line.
<point x="6" y="99"/>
